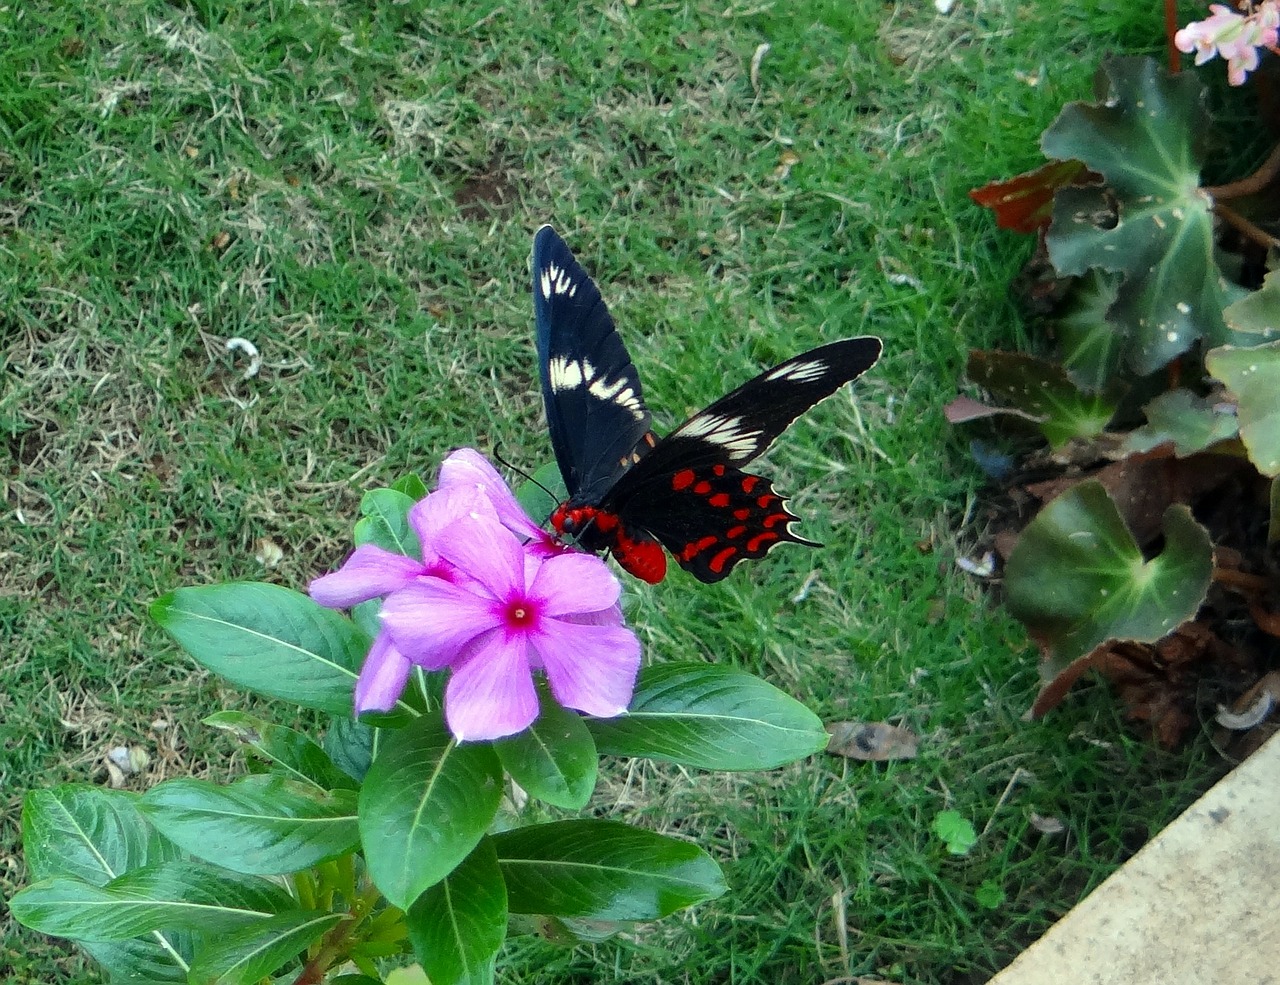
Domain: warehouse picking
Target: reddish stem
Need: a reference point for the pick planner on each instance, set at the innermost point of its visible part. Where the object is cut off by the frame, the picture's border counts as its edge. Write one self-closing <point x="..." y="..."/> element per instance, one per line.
<point x="1170" y="29"/>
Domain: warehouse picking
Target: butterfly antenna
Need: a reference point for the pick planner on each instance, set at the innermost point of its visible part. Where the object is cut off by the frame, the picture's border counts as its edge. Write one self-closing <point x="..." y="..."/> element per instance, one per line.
<point x="522" y="473"/>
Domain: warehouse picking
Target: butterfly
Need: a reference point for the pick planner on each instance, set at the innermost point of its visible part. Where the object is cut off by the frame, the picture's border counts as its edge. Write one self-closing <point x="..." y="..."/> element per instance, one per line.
<point x="634" y="494"/>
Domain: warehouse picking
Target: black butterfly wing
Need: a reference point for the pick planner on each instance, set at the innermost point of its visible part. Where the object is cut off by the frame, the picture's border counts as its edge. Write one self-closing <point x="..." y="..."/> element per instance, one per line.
<point x="595" y="411"/>
<point x="690" y="493"/>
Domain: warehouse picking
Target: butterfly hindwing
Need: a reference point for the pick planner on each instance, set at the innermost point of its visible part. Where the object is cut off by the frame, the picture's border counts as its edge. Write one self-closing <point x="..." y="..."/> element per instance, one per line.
<point x="712" y="518"/>
<point x="595" y="410"/>
<point x="688" y="491"/>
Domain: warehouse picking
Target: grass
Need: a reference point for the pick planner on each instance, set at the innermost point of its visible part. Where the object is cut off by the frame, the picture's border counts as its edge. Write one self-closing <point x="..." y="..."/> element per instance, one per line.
<point x="352" y="186"/>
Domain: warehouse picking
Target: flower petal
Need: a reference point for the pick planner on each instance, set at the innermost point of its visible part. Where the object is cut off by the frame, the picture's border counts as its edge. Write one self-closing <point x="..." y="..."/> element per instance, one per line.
<point x="432" y="622"/>
<point x="573" y="583"/>
<point x="382" y="677"/>
<point x="483" y="549"/>
<point x="467" y="467"/>
<point x="369" y="573"/>
<point x="492" y="693"/>
<point x="438" y="510"/>
<point x="590" y="668"/>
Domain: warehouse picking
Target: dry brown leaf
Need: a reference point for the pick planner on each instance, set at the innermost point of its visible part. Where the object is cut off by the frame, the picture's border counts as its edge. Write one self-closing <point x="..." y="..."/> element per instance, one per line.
<point x="872" y="741"/>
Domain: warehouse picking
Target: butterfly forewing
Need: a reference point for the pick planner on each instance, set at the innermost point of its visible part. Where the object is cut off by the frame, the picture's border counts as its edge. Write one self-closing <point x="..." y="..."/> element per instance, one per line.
<point x="595" y="410"/>
<point x="742" y="424"/>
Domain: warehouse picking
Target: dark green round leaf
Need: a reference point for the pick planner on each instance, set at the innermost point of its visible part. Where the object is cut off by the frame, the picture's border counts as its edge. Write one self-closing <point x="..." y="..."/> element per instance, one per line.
<point x="424" y="805"/>
<point x="1042" y="390"/>
<point x="1077" y="578"/>
<point x="603" y="870"/>
<point x="1151" y="221"/>
<point x="268" y="639"/>
<point x="1253" y="375"/>
<point x="554" y="759"/>
<point x="711" y="717"/>
<point x="458" y="925"/>
<point x="260" y="825"/>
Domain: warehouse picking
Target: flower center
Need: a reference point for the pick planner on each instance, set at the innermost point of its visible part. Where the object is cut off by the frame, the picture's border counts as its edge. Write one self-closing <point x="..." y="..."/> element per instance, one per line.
<point x="520" y="613"/>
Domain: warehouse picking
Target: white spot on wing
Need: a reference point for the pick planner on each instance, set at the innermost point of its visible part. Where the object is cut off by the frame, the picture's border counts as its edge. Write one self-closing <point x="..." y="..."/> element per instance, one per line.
<point x="620" y="393"/>
<point x="568" y="374"/>
<point x="725" y="432"/>
<point x="806" y="372"/>
<point x="556" y="280"/>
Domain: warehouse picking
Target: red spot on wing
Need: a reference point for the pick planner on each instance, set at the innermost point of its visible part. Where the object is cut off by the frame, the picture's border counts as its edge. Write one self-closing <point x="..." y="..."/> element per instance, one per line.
<point x="682" y="479"/>
<point x="718" y="562"/>
<point x="764" y="501"/>
<point x="696" y="547"/>
<point x="749" y="482"/>
<point x="737" y="531"/>
<point x="718" y="470"/>
<point x="773" y="519"/>
<point x="719" y="500"/>
<point x="741" y="514"/>
<point x="702" y="488"/>
<point x="753" y="545"/>
<point x="642" y="558"/>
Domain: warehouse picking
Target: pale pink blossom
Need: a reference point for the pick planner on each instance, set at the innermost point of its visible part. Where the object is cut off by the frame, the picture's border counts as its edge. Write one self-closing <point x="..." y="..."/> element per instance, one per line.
<point x="1234" y="36"/>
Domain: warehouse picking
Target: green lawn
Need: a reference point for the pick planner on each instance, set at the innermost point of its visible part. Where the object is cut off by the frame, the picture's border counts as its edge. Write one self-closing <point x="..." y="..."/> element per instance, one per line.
<point x="352" y="186"/>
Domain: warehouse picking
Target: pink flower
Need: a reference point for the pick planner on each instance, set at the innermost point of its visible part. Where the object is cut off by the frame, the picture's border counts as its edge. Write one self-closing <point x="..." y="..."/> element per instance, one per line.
<point x="466" y="467"/>
<point x="516" y="613"/>
<point x="372" y="572"/>
<point x="1236" y="37"/>
<point x="493" y="598"/>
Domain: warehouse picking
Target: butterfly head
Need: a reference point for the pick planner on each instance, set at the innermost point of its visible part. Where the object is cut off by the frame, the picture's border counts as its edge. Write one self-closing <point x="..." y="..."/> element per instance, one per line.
<point x="596" y="529"/>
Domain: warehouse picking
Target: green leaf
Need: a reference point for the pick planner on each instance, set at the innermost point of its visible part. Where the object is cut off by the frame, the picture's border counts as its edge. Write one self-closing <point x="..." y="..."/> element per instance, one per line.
<point x="458" y="925"/>
<point x="424" y="805"/>
<point x="297" y="756"/>
<point x="711" y="717"/>
<point x="261" y="825"/>
<point x="603" y="870"/>
<point x="990" y="895"/>
<point x="1043" y="390"/>
<point x="250" y="954"/>
<point x="955" y="831"/>
<point x="350" y="743"/>
<point x="412" y="486"/>
<point x="167" y="896"/>
<point x="555" y="759"/>
<point x="1077" y="578"/>
<point x="88" y="833"/>
<point x="1151" y="221"/>
<point x="543" y="492"/>
<point x="268" y="639"/>
<point x="1091" y="347"/>
<point x="386" y="522"/>
<point x="1189" y="422"/>
<point x="95" y="835"/>
<point x="1253" y="375"/>
<point x="1258" y="313"/>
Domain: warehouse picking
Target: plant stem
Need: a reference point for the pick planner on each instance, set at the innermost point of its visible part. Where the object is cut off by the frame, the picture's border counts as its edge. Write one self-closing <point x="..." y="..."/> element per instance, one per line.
<point x="1170" y="29"/>
<point x="336" y="942"/>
